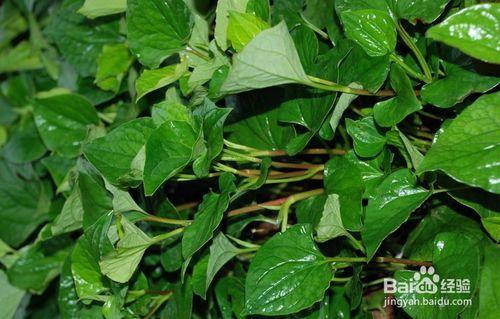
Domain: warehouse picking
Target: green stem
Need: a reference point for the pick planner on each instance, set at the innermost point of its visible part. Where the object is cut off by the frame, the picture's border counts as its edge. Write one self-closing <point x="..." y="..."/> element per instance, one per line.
<point x="314" y="28"/>
<point x="379" y="260"/>
<point x="157" y="305"/>
<point x="407" y="68"/>
<point x="309" y="173"/>
<point x="413" y="47"/>
<point x="341" y="280"/>
<point x="326" y="85"/>
<point x="285" y="208"/>
<point x="356" y="242"/>
<point x="162" y="237"/>
<point x="197" y="53"/>
<point x="170" y="221"/>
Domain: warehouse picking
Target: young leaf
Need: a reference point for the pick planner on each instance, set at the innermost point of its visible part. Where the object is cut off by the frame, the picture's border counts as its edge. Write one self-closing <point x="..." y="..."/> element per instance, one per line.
<point x="119" y="155"/>
<point x="24" y="144"/>
<point x="330" y="225"/>
<point x="206" y="220"/>
<point x="112" y="64"/>
<point x="287" y="274"/>
<point x="79" y="42"/>
<point x="63" y="122"/>
<point x="211" y="119"/>
<point x="242" y="28"/>
<point x="71" y="216"/>
<point x="96" y="8"/>
<point x="170" y="148"/>
<point x="373" y="30"/>
<point x="151" y="80"/>
<point x="24" y="206"/>
<point x="489" y="283"/>
<point x="448" y="248"/>
<point x="425" y="10"/>
<point x="390" y="206"/>
<point x="221" y="251"/>
<point x="157" y="29"/>
<point x="89" y="282"/>
<point x="368" y="142"/>
<point x="224" y="7"/>
<point x="390" y="112"/>
<point x="10" y="296"/>
<point x="456" y="86"/>
<point x="39" y="264"/>
<point x="468" y="149"/>
<point x="270" y="59"/>
<point x="343" y="178"/>
<point x="120" y="264"/>
<point x="473" y="30"/>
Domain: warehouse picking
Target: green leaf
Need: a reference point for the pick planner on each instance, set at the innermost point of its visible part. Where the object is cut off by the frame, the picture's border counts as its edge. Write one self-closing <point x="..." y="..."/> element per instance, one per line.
<point x="394" y="110"/>
<point x="368" y="142"/>
<point x="22" y="57"/>
<point x="330" y="225"/>
<point x="348" y="5"/>
<point x="169" y="149"/>
<point x="181" y="303"/>
<point x="489" y="283"/>
<point x="63" y="122"/>
<point x="230" y="294"/>
<point x="309" y="211"/>
<point x="120" y="264"/>
<point x="261" y="128"/>
<point x="473" y="30"/>
<point x="10" y="297"/>
<point x="242" y="28"/>
<point x="24" y="144"/>
<point x="353" y="69"/>
<point x="211" y="119"/>
<point x="390" y="206"/>
<point x="96" y="200"/>
<point x="39" y="264"/>
<point x="222" y="19"/>
<point x="221" y="251"/>
<point x="119" y="155"/>
<point x="80" y="42"/>
<point x="206" y="220"/>
<point x="112" y="64"/>
<point x="456" y="86"/>
<point x="424" y="10"/>
<point x="96" y="8"/>
<point x="152" y="80"/>
<point x="89" y="282"/>
<point x="373" y="30"/>
<point x="157" y="29"/>
<point x="441" y="219"/>
<point x="71" y="216"/>
<point x="288" y="274"/>
<point x="343" y="178"/>
<point x="259" y="8"/>
<point x="492" y="226"/>
<point x="468" y="148"/>
<point x="448" y="248"/>
<point x="24" y="206"/>
<point x="270" y="59"/>
<point x="67" y="298"/>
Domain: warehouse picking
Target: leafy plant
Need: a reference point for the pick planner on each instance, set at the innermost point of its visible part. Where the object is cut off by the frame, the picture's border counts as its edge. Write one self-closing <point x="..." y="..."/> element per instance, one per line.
<point x="246" y="158"/>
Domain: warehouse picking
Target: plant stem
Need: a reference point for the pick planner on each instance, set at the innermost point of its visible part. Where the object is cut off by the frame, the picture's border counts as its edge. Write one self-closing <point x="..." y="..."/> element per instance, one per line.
<point x="420" y="58"/>
<point x="257" y="207"/>
<point x="311" y="151"/>
<point x="380" y="260"/>
<point x="197" y="53"/>
<point x="356" y="242"/>
<point x="309" y="173"/>
<point x="163" y="220"/>
<point x="285" y="208"/>
<point x="407" y="68"/>
<point x="164" y="236"/>
<point x="157" y="305"/>
<point x="335" y="87"/>
<point x="341" y="280"/>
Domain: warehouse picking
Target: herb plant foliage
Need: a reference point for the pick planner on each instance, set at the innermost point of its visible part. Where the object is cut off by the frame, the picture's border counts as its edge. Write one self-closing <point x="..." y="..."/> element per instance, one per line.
<point x="247" y="158"/>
